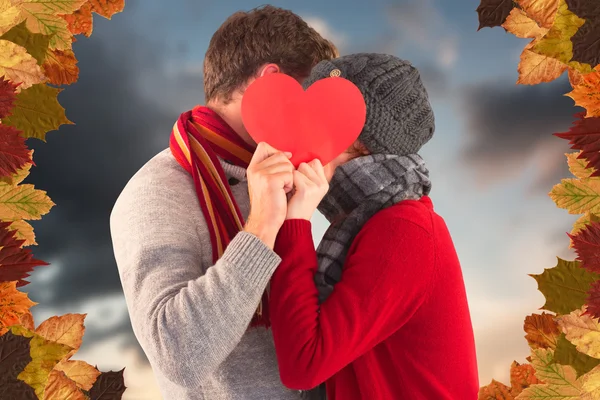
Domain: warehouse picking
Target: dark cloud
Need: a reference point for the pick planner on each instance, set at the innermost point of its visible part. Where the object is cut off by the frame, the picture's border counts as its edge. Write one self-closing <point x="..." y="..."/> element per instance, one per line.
<point x="511" y="125"/>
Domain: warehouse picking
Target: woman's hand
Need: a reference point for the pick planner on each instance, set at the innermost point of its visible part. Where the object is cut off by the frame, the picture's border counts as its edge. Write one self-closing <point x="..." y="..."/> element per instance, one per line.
<point x="310" y="186"/>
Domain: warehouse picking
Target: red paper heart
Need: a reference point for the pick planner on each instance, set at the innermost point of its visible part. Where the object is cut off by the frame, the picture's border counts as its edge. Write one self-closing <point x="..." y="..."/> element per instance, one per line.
<point x="320" y="122"/>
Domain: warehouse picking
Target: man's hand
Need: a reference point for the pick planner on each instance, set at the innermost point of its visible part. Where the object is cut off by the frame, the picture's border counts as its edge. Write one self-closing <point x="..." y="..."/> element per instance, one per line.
<point x="311" y="185"/>
<point x="270" y="177"/>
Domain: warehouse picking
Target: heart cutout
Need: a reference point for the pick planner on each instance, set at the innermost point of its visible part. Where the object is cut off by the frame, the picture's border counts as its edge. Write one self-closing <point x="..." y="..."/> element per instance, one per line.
<point x="320" y="122"/>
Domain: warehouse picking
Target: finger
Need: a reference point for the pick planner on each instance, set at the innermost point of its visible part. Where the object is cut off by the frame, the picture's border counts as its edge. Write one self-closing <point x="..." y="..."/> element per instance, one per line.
<point x="276" y="158"/>
<point x="277" y="168"/>
<point x="301" y="181"/>
<point x="319" y="169"/>
<point x="309" y="171"/>
<point x="264" y="151"/>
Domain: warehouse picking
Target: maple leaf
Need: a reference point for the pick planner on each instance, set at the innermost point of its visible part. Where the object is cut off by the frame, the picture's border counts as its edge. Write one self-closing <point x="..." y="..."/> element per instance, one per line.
<point x="60" y="387"/>
<point x="9" y="16"/>
<point x="67" y="329"/>
<point x="577" y="196"/>
<point x="8" y="92"/>
<point x="593" y="300"/>
<point x="578" y="165"/>
<point x="23" y="202"/>
<point x="586" y="47"/>
<point x="109" y="386"/>
<point x="564" y="286"/>
<point x="587" y="245"/>
<point x="15" y="262"/>
<point x="559" y="380"/>
<point x="493" y="12"/>
<point x="37" y="112"/>
<point x="42" y="16"/>
<point x="521" y="25"/>
<point x="14" y="153"/>
<point x="542" y="11"/>
<point x="542" y="331"/>
<point x="566" y="354"/>
<point x="536" y="68"/>
<point x="14" y="356"/>
<point x="587" y="94"/>
<point x="584" y="135"/>
<point x="18" y="66"/>
<point x="582" y="331"/>
<point x="45" y="354"/>
<point x="495" y="391"/>
<point x="13" y="304"/>
<point x="521" y="377"/>
<point x="36" y="44"/>
<point x="582" y="222"/>
<point x="557" y="42"/>
<point x="23" y="231"/>
<point x="61" y="67"/>
<point x="82" y="373"/>
<point x="21" y="173"/>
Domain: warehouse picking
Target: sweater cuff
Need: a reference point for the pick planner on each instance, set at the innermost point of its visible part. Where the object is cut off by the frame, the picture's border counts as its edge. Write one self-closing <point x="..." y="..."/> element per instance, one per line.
<point x="251" y="257"/>
<point x="292" y="232"/>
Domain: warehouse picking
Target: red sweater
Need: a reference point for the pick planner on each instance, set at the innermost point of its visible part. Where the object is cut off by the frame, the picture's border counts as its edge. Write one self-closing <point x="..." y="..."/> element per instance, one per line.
<point x="397" y="325"/>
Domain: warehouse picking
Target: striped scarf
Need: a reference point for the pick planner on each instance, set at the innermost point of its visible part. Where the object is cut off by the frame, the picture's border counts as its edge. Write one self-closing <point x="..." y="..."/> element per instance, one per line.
<point x="199" y="138"/>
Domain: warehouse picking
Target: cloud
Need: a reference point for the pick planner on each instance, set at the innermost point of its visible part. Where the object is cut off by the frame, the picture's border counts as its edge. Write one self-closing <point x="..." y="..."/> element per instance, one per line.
<point x="320" y="25"/>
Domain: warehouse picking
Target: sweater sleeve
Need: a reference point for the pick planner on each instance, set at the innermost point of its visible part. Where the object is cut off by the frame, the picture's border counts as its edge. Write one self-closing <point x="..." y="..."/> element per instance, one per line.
<point x="187" y="322"/>
<point x="385" y="279"/>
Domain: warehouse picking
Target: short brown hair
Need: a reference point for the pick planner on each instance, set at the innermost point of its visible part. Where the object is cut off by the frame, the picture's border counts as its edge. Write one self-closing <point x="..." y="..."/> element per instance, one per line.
<point x="247" y="40"/>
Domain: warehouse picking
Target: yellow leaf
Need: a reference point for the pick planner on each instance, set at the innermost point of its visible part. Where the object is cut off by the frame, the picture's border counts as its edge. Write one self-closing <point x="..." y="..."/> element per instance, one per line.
<point x="542" y="11"/>
<point x="20" y="175"/>
<point x="24" y="231"/>
<point x="557" y="42"/>
<point x="520" y="25"/>
<point x="45" y="354"/>
<point x="67" y="329"/>
<point x="577" y="195"/>
<point x="9" y="16"/>
<point x="23" y="202"/>
<point x="60" y="387"/>
<point x="587" y="94"/>
<point x="19" y="66"/>
<point x="82" y="373"/>
<point x="578" y="166"/>
<point x="591" y="384"/>
<point x="536" y="68"/>
<point x="583" y="331"/>
<point x="13" y="305"/>
<point x="581" y="223"/>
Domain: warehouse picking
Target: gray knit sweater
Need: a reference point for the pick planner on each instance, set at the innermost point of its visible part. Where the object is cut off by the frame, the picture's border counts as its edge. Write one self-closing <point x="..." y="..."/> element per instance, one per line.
<point x="192" y="320"/>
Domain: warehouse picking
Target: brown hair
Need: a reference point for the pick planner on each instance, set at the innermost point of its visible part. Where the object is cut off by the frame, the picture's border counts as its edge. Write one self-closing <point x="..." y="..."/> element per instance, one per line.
<point x="247" y="40"/>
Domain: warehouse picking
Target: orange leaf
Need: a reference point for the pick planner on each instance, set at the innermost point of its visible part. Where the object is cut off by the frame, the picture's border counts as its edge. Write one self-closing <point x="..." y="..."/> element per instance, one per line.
<point x="520" y="25"/>
<point x="575" y="77"/>
<point x="80" y="22"/>
<point x="535" y="68"/>
<point x="59" y="387"/>
<point x="82" y="373"/>
<point x="13" y="304"/>
<point x="107" y="8"/>
<point x="495" y="391"/>
<point x="521" y="377"/>
<point x="587" y="94"/>
<point x="542" y="11"/>
<point x="26" y="320"/>
<point x="61" y="67"/>
<point x="67" y="329"/>
<point x="542" y="331"/>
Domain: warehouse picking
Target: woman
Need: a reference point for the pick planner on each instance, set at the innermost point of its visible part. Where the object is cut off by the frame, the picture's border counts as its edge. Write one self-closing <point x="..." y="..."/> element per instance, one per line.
<point x="388" y="318"/>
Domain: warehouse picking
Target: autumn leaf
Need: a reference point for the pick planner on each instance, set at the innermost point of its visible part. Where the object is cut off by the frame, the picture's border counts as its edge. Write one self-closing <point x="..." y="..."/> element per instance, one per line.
<point x="36" y="44"/>
<point x="519" y="24"/>
<point x="565" y="286"/>
<point x="542" y="331"/>
<point x="23" y="202"/>
<point x="586" y="46"/>
<point x="61" y="67"/>
<point x="557" y="42"/>
<point x="109" y="386"/>
<point x="536" y="68"/>
<point x="82" y="373"/>
<point x="587" y="245"/>
<point x="590" y="383"/>
<point x="8" y="96"/>
<point x="582" y="331"/>
<point x="107" y="8"/>
<point x="45" y="354"/>
<point x="37" y="112"/>
<point x="15" y="262"/>
<point x="13" y="304"/>
<point x="582" y="222"/>
<point x="23" y="231"/>
<point x="14" y="356"/>
<point x="566" y="354"/>
<point x="587" y="94"/>
<point x="60" y="387"/>
<point x="521" y="377"/>
<point x="21" y="173"/>
<point x="584" y="135"/>
<point x="26" y="321"/>
<point x="67" y="329"/>
<point x="493" y="12"/>
<point x="14" y="153"/>
<point x="593" y="300"/>
<point x="575" y="77"/>
<point x="18" y="66"/>
<point x="495" y="391"/>
<point x="80" y="21"/>
<point x="10" y="16"/>
<point x="542" y="11"/>
<point x="577" y="196"/>
<point x="578" y="166"/>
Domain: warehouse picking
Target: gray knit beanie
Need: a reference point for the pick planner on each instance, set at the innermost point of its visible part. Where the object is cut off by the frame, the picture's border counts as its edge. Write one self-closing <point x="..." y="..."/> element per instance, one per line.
<point x="399" y="117"/>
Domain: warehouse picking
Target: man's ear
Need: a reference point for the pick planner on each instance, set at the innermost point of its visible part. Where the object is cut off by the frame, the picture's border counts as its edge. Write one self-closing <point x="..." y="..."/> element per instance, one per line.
<point x="269" y="69"/>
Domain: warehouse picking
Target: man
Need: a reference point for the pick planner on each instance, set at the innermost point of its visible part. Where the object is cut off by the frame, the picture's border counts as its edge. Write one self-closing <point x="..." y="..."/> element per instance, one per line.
<point x="194" y="251"/>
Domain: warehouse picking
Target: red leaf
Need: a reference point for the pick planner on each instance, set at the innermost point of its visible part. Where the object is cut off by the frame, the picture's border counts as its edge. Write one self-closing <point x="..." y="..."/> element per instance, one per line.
<point x="14" y="153"/>
<point x="587" y="245"/>
<point x="15" y="262"/>
<point x="493" y="12"/>
<point x="584" y="135"/>
<point x="7" y="97"/>
<point x="593" y="300"/>
<point x="109" y="386"/>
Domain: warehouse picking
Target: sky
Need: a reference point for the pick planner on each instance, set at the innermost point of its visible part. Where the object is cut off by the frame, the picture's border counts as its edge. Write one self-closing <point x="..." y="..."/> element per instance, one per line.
<point x="492" y="159"/>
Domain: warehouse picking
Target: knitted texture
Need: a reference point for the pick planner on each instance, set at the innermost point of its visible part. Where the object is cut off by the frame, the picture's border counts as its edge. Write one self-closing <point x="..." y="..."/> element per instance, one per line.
<point x="399" y="119"/>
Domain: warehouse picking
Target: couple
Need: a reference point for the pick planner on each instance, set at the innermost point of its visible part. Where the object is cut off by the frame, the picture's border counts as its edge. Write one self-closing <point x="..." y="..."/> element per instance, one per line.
<point x="227" y="295"/>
